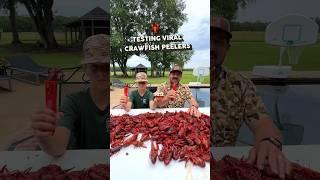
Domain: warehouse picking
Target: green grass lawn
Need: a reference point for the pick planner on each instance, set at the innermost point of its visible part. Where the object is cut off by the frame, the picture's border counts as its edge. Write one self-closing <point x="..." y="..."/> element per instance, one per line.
<point x="187" y="77"/>
<point x="248" y="49"/>
<point x="31" y="37"/>
<point x="46" y="58"/>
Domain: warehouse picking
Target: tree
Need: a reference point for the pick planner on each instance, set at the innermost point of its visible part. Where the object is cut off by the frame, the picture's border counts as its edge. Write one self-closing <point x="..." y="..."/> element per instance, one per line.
<point x="122" y="28"/>
<point x="11" y="6"/>
<point x="228" y="8"/>
<point x="175" y="57"/>
<point x="161" y="11"/>
<point x="41" y="13"/>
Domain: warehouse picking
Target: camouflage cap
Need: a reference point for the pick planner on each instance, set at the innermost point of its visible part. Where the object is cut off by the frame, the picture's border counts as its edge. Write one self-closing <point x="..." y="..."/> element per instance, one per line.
<point x="176" y="68"/>
<point x="141" y="77"/>
<point x="221" y="23"/>
<point x="96" y="49"/>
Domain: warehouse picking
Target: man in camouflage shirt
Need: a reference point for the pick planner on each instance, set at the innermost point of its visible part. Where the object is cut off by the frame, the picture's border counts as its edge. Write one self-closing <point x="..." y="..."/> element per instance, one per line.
<point x="176" y="97"/>
<point x="234" y="101"/>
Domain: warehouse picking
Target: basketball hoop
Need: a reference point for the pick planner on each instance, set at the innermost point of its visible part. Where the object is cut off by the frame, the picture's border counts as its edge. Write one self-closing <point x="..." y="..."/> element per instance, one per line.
<point x="292" y="33"/>
<point x="294" y="54"/>
<point x="200" y="73"/>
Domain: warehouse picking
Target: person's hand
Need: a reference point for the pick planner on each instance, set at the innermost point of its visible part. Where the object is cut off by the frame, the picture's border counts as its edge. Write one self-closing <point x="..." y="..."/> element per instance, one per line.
<point x="171" y="95"/>
<point x="43" y="122"/>
<point x="194" y="111"/>
<point x="266" y="154"/>
<point x="124" y="101"/>
<point x="156" y="100"/>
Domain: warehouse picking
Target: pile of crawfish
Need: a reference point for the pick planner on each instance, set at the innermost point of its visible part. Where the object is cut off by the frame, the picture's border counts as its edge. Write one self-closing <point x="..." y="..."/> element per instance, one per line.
<point x="230" y="168"/>
<point x="54" y="172"/>
<point x="181" y="136"/>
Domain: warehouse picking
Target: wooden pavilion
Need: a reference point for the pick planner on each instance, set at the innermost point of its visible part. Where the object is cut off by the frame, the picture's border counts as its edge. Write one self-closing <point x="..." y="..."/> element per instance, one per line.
<point x="97" y="21"/>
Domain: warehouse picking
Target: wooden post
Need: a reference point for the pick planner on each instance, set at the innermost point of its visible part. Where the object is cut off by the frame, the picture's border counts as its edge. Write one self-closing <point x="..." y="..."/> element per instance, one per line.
<point x="71" y="35"/>
<point x="92" y="27"/>
<point x="76" y="31"/>
<point x="1" y="31"/>
<point x="83" y="31"/>
<point x="66" y="35"/>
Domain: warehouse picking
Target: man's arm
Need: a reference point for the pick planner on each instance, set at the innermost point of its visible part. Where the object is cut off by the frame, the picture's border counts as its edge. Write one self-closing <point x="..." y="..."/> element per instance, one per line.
<point x="152" y="104"/>
<point x="256" y="116"/>
<point x="265" y="128"/>
<point x="193" y="102"/>
<point x="267" y="148"/>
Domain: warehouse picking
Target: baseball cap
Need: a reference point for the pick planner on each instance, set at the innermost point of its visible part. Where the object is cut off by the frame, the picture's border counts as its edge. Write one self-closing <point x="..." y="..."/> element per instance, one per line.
<point x="96" y="49"/>
<point x="221" y="23"/>
<point x="141" y="77"/>
<point x="176" y="68"/>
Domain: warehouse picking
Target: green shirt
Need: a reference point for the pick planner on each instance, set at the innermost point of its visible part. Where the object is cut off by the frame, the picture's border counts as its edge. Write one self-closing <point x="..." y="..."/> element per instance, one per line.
<point x="87" y="123"/>
<point x="139" y="102"/>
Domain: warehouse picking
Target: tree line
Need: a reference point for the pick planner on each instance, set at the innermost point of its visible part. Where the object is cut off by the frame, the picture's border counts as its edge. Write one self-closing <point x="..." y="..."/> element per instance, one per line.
<point x="258" y="25"/>
<point x="25" y="23"/>
<point x="41" y="13"/>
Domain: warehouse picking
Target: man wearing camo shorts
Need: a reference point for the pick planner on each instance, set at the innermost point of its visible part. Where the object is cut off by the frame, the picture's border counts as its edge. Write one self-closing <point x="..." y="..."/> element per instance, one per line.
<point x="234" y="101"/>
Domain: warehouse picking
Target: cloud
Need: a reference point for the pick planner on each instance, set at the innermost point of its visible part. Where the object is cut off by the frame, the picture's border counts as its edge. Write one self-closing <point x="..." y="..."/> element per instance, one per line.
<point x="200" y="58"/>
<point x="196" y="31"/>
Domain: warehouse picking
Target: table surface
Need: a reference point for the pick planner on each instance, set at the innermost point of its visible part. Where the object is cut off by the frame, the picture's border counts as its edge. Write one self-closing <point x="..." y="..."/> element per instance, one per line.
<point x="305" y="155"/>
<point x="137" y="165"/>
<point x="77" y="159"/>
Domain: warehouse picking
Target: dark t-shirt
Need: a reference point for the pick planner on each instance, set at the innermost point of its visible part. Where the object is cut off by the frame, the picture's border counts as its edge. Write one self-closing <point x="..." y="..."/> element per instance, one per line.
<point x="139" y="102"/>
<point x="87" y="123"/>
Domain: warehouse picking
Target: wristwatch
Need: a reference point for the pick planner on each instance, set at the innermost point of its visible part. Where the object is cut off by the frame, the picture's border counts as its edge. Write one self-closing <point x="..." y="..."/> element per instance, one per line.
<point x="273" y="141"/>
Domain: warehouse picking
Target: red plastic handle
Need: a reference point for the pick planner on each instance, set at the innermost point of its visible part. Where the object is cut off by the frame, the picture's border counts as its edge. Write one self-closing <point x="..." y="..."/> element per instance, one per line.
<point x="51" y="94"/>
<point x="126" y="90"/>
<point x="174" y="86"/>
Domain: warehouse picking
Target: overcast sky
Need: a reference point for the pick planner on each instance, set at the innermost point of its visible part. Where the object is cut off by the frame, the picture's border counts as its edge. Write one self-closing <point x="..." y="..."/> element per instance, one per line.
<point x="269" y="10"/>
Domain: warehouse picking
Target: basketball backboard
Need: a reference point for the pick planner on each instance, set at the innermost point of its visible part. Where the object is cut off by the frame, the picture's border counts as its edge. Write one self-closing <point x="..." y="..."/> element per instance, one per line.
<point x="292" y="30"/>
<point x="201" y="71"/>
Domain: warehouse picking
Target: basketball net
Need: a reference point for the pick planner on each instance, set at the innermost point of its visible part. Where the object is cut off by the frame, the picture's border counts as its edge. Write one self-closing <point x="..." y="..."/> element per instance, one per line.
<point x="293" y="53"/>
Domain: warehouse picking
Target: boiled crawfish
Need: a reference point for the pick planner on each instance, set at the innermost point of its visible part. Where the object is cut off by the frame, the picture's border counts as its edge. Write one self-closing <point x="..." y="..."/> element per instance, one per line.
<point x="230" y="168"/>
<point x="181" y="136"/>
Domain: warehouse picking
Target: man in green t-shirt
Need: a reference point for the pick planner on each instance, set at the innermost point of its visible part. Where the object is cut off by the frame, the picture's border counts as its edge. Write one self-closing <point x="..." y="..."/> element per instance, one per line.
<point x="140" y="98"/>
<point x="82" y="122"/>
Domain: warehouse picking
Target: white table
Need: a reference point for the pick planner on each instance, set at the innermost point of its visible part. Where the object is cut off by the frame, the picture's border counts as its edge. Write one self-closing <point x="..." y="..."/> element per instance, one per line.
<point x="137" y="165"/>
<point x="305" y="155"/>
<point x="77" y="159"/>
